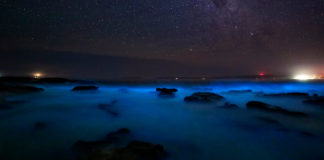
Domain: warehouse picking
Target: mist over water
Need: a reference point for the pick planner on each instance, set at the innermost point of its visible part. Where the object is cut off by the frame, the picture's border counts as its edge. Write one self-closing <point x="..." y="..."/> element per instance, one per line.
<point x="191" y="131"/>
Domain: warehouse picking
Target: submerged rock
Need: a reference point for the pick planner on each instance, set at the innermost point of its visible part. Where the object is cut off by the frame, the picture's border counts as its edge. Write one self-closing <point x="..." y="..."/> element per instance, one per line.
<point x="204" y="97"/>
<point x="230" y="106"/>
<point x="6" y="105"/>
<point x="273" y="109"/>
<point x="166" y="90"/>
<point x="85" y="88"/>
<point x="268" y="120"/>
<point x="292" y="94"/>
<point x="138" y="150"/>
<point x="109" y="108"/>
<point x="240" y="91"/>
<point x="113" y="148"/>
<point x="40" y="125"/>
<point x="111" y="138"/>
<point x="19" y="89"/>
<point x="315" y="100"/>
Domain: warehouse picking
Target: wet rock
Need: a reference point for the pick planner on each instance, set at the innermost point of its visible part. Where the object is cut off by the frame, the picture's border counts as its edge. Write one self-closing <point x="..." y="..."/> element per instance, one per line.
<point x="166" y="90"/>
<point x="204" y="97"/>
<point x="230" y="106"/>
<point x="292" y="94"/>
<point x="19" y="89"/>
<point x="273" y="109"/>
<point x="109" y="108"/>
<point x="6" y="105"/>
<point x="240" y="91"/>
<point x="306" y="133"/>
<point x="315" y="100"/>
<point x="138" y="150"/>
<point x="111" y="148"/>
<point x="112" y="138"/>
<point x="85" y="88"/>
<point x="268" y="120"/>
<point x="40" y="125"/>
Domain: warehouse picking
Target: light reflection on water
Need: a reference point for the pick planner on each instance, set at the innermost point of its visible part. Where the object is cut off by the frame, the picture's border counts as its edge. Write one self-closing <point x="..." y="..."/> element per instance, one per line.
<point x="186" y="130"/>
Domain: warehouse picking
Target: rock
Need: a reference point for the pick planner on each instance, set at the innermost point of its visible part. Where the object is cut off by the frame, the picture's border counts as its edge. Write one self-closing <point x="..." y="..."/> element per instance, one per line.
<point x="292" y="94"/>
<point x="138" y="150"/>
<point x="6" y="105"/>
<point x="273" y="109"/>
<point x="19" y="89"/>
<point x="166" y="91"/>
<point x="268" y="120"/>
<point x="111" y="148"/>
<point x="109" y="108"/>
<point x="315" y="100"/>
<point x="240" y="91"/>
<point x="204" y="97"/>
<point x="112" y="138"/>
<point x="85" y="88"/>
<point x="40" y="125"/>
<point x="230" y="106"/>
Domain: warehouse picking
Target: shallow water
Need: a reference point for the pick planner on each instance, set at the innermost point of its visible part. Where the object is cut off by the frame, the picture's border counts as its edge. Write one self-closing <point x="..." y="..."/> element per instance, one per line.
<point x="186" y="130"/>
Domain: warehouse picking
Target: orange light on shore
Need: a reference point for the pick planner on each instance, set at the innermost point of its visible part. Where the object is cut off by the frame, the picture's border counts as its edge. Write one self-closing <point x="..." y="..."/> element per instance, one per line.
<point x="37" y="75"/>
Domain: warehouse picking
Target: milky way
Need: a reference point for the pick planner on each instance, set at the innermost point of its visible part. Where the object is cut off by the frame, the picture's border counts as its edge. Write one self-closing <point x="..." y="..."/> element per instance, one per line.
<point x="233" y="34"/>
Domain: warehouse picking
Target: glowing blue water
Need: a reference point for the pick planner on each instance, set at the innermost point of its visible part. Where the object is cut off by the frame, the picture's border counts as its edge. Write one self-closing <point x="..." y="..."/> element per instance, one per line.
<point x="187" y="131"/>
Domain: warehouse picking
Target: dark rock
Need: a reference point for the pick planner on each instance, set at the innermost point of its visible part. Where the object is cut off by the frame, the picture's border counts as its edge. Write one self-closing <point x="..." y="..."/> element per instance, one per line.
<point x="138" y="150"/>
<point x="292" y="94"/>
<point x="19" y="89"/>
<point x="109" y="108"/>
<point x="315" y="100"/>
<point x="268" y="120"/>
<point x="273" y="109"/>
<point x="240" y="91"/>
<point x="111" y="149"/>
<point x="85" y="88"/>
<point x="166" y="91"/>
<point x="40" y="125"/>
<point x="230" y="106"/>
<point x="6" y="105"/>
<point x="112" y="138"/>
<point x="204" y="97"/>
<point x="306" y="133"/>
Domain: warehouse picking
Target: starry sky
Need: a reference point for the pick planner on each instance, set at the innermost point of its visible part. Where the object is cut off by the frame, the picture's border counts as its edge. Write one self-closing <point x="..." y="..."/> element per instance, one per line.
<point x="198" y="37"/>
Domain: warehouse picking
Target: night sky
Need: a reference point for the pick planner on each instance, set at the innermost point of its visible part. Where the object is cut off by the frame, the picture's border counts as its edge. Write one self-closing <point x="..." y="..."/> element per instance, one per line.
<point x="125" y="38"/>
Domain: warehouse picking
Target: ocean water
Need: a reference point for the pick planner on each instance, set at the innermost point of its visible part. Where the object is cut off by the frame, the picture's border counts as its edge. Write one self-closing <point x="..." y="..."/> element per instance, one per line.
<point x="188" y="131"/>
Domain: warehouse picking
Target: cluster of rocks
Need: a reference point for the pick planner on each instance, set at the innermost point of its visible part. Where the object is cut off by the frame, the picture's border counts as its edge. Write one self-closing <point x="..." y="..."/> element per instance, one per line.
<point x="118" y="145"/>
<point x="204" y="97"/>
<point x="16" y="89"/>
<point x="256" y="105"/>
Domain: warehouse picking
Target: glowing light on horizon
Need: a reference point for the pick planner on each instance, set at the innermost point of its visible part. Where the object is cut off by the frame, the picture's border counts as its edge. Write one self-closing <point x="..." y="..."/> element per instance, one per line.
<point x="304" y="77"/>
<point x="261" y="74"/>
<point x="37" y="75"/>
